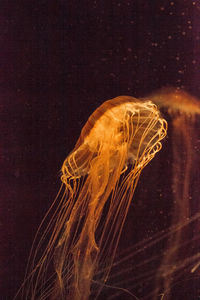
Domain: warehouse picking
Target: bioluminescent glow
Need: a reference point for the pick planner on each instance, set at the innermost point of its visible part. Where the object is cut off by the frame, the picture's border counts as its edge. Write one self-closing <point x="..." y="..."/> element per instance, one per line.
<point x="99" y="179"/>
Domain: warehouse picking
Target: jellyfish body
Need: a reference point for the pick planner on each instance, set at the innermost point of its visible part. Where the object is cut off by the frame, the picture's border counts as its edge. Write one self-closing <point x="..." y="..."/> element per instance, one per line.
<point x="183" y="109"/>
<point x="176" y="101"/>
<point x="99" y="177"/>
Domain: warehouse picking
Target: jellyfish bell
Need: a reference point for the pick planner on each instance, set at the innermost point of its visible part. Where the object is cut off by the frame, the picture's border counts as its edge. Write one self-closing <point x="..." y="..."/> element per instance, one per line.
<point x="112" y="129"/>
<point x="100" y="175"/>
<point x="176" y="101"/>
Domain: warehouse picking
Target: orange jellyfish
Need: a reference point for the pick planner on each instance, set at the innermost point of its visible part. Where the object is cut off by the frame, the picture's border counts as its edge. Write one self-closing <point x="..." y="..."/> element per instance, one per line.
<point x="166" y="264"/>
<point x="183" y="109"/>
<point x="99" y="179"/>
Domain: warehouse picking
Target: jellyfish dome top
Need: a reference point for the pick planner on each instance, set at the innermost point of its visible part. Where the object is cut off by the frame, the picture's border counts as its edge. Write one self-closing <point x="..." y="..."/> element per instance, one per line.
<point x="176" y="100"/>
<point x="123" y="128"/>
<point x="99" y="178"/>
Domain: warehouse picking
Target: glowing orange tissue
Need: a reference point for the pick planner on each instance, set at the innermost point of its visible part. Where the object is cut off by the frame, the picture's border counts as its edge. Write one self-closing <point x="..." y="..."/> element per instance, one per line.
<point x="183" y="109"/>
<point x="99" y="178"/>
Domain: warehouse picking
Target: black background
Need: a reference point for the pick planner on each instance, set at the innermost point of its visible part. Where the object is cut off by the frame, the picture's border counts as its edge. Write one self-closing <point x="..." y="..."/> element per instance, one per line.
<point x="59" y="61"/>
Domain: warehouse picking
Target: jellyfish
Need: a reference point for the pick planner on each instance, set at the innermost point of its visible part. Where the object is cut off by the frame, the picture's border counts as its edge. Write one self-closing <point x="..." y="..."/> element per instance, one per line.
<point x="166" y="261"/>
<point x="183" y="110"/>
<point x="84" y="223"/>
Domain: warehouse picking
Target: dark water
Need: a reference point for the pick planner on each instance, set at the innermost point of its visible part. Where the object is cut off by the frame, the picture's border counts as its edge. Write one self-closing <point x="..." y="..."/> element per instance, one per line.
<point x="59" y="61"/>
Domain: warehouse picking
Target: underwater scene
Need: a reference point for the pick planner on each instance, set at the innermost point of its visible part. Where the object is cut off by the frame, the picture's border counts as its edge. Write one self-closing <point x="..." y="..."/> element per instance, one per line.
<point x="100" y="172"/>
